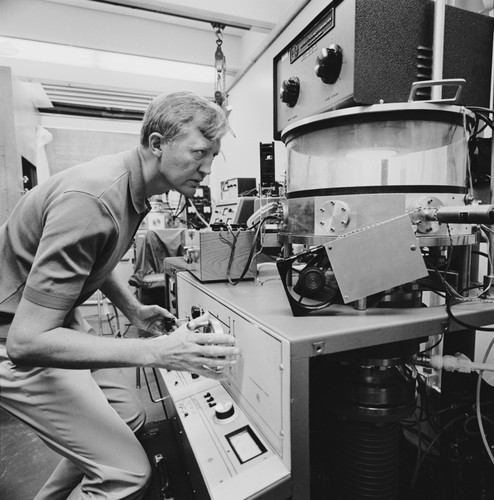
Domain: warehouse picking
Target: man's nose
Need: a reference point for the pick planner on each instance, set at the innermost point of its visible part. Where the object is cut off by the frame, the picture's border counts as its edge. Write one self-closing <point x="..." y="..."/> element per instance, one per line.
<point x="205" y="167"/>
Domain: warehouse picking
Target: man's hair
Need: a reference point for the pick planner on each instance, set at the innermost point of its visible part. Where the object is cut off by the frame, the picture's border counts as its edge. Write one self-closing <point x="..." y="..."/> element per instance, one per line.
<point x="172" y="114"/>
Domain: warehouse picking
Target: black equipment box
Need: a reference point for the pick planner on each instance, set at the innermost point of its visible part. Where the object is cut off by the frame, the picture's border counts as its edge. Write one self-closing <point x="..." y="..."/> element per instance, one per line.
<point x="362" y="52"/>
<point x="170" y="480"/>
<point x="241" y="186"/>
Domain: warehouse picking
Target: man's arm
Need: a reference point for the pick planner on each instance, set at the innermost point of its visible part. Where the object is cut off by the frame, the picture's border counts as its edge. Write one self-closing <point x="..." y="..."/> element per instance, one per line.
<point x="138" y="314"/>
<point x="36" y="338"/>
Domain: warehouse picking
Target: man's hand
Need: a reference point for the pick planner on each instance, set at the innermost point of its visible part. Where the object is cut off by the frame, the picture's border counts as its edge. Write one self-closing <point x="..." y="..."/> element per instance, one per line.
<point x="146" y="316"/>
<point x="189" y="349"/>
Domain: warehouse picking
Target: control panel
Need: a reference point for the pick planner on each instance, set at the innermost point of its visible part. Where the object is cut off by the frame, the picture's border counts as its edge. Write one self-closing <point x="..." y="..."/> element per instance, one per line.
<point x="233" y="211"/>
<point x="237" y="429"/>
<point x="235" y="188"/>
<point x="235" y="460"/>
<point x="314" y="72"/>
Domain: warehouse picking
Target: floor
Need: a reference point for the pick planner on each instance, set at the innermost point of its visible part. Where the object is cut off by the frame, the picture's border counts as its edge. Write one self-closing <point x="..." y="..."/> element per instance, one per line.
<point x="26" y="462"/>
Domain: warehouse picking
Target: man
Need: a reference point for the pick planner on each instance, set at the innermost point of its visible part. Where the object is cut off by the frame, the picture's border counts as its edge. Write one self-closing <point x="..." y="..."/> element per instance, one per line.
<point x="61" y="244"/>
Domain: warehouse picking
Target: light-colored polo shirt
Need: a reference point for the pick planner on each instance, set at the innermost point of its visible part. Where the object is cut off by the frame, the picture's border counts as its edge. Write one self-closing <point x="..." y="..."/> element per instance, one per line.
<point x="66" y="235"/>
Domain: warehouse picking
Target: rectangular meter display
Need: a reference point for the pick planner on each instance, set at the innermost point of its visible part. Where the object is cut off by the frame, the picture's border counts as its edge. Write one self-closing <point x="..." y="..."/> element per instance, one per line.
<point x="245" y="444"/>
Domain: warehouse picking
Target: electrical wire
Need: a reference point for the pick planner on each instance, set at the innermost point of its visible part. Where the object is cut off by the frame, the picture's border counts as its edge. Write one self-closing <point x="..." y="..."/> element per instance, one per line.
<point x="470" y="326"/>
<point x="177" y="211"/>
<point x="428" y="449"/>
<point x="198" y="215"/>
<point x="480" y="108"/>
<point x="478" y="298"/>
<point x="447" y="286"/>
<point x="233" y="245"/>
<point x="260" y="224"/>
<point x="449" y="303"/>
<point x="452" y="297"/>
<point x="477" y="398"/>
<point x="486" y="229"/>
<point x="467" y="422"/>
<point x="264" y="264"/>
<point x="433" y="346"/>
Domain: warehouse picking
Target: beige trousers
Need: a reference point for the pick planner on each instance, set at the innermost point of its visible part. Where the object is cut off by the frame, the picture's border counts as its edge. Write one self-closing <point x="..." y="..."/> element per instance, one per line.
<point x="88" y="417"/>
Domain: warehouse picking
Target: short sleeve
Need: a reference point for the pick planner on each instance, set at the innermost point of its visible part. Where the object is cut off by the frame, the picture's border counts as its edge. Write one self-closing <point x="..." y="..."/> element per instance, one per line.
<point x="77" y="228"/>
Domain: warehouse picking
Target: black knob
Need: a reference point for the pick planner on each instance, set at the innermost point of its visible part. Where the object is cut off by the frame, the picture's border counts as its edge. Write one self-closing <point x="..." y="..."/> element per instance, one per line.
<point x="225" y="410"/>
<point x="290" y="90"/>
<point x="195" y="312"/>
<point x="328" y="64"/>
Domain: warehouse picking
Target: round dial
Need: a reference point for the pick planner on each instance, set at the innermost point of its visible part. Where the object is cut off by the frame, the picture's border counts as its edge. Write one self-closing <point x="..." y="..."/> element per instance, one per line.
<point x="224" y="410"/>
<point x="290" y="90"/>
<point x="328" y="64"/>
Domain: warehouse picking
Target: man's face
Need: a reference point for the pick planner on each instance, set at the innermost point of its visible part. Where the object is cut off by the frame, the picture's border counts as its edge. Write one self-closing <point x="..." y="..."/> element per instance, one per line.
<point x="185" y="162"/>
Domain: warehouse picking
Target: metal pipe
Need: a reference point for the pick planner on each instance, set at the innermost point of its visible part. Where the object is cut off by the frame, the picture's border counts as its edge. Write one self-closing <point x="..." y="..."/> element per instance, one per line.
<point x="270" y="39"/>
<point x="438" y="48"/>
<point x="468" y="214"/>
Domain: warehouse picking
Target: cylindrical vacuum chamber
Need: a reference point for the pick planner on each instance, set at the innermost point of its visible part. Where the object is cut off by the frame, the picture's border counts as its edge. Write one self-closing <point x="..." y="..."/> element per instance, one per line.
<point x="360" y="166"/>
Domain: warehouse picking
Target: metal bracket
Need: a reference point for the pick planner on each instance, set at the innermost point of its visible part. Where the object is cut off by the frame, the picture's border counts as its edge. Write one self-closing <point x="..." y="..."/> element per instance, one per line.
<point x="318" y="348"/>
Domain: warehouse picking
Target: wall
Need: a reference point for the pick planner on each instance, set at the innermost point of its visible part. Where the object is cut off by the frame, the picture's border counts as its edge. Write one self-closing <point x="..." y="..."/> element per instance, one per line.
<point x="76" y="140"/>
<point x="18" y="125"/>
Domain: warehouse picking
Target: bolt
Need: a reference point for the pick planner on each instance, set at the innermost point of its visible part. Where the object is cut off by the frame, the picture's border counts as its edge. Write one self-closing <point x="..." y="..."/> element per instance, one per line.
<point x="413" y="248"/>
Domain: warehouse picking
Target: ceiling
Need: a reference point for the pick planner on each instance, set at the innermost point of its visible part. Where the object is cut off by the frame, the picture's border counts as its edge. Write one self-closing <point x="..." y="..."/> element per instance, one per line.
<point x="255" y="14"/>
<point x="152" y="32"/>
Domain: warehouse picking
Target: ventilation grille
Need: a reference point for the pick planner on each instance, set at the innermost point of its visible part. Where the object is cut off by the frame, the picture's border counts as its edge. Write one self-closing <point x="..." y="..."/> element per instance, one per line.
<point x="88" y="101"/>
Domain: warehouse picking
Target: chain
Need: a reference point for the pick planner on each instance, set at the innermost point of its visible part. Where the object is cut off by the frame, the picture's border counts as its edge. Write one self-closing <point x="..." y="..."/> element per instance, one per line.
<point x="220" y="66"/>
<point x="376" y="224"/>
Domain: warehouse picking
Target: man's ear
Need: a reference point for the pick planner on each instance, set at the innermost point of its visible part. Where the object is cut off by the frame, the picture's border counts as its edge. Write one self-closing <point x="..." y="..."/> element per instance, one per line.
<point x="155" y="143"/>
